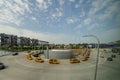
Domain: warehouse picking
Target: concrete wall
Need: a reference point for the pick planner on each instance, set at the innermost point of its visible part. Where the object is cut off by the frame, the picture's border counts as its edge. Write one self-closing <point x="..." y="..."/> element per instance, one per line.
<point x="59" y="54"/>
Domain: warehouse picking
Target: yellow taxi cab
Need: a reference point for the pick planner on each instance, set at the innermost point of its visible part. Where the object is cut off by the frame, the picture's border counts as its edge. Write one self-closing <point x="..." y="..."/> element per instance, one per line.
<point x="50" y="61"/>
<point x="84" y="59"/>
<point x="54" y="61"/>
<point x="73" y="60"/>
<point x="32" y="53"/>
<point x="38" y="59"/>
<point x="28" y="56"/>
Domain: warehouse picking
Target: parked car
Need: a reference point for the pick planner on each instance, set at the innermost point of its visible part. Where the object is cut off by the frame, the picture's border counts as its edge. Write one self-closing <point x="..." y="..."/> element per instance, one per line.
<point x="28" y="56"/>
<point x="38" y="59"/>
<point x="50" y="61"/>
<point x="2" y="66"/>
<point x="36" y="55"/>
<point x="113" y="56"/>
<point x="84" y="59"/>
<point x="109" y="59"/>
<point x="54" y="61"/>
<point x="14" y="54"/>
<point x="74" y="60"/>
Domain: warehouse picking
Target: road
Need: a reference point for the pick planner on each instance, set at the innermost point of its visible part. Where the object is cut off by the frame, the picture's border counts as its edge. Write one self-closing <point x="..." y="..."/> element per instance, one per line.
<point x="19" y="68"/>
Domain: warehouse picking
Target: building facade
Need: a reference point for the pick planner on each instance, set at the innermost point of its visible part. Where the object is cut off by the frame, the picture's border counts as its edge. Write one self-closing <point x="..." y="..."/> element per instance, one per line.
<point x="14" y="40"/>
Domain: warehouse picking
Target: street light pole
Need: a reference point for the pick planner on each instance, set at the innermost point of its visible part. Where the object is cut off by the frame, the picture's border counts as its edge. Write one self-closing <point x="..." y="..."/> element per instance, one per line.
<point x="95" y="76"/>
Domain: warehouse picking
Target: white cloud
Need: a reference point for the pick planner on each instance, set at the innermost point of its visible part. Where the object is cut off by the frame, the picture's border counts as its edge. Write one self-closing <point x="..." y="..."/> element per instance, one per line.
<point x="72" y="0"/>
<point x="78" y="27"/>
<point x="40" y="1"/>
<point x="110" y="11"/>
<point x="19" y="6"/>
<point x="80" y="1"/>
<point x="87" y="21"/>
<point x="61" y="2"/>
<point x="98" y="5"/>
<point x="102" y="11"/>
<point x="1" y="2"/>
<point x="58" y="13"/>
<point x="49" y="2"/>
<point x="34" y="18"/>
<point x="110" y="35"/>
<point x="118" y="19"/>
<point x="71" y="20"/>
<point x="77" y="6"/>
<point x="82" y="14"/>
<point x="93" y="26"/>
<point x="109" y="8"/>
<point x="7" y="16"/>
<point x="43" y="5"/>
<point x="11" y="11"/>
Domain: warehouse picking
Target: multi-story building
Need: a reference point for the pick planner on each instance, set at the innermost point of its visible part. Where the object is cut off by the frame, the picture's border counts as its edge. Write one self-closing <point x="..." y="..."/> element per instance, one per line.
<point x="0" y="40"/>
<point x="34" y="42"/>
<point x="13" y="40"/>
<point x="5" y="39"/>
<point x="18" y="41"/>
<point x="23" y="41"/>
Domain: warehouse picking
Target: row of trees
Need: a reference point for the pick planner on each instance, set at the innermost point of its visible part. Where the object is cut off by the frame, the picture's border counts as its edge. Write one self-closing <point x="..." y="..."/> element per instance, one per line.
<point x="50" y="46"/>
<point x="22" y="48"/>
<point x="68" y="46"/>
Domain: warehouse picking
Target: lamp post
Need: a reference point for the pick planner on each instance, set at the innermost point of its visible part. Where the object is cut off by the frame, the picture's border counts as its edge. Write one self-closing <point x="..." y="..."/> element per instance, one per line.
<point x="98" y="41"/>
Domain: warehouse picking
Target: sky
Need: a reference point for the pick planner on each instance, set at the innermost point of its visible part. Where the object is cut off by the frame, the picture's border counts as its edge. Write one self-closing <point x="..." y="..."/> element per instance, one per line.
<point x="61" y="21"/>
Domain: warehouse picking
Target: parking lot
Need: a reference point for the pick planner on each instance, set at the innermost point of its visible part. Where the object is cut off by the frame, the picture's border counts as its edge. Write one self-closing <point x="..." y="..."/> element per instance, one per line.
<point x="19" y="68"/>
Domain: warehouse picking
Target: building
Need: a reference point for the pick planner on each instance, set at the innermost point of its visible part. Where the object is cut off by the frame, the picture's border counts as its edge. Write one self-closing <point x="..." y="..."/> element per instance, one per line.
<point x="23" y="41"/>
<point x="34" y="42"/>
<point x="13" y="40"/>
<point x="43" y="42"/>
<point x="5" y="39"/>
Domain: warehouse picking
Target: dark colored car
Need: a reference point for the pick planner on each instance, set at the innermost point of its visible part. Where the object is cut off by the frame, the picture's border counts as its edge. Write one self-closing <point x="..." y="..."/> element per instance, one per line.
<point x="2" y="66"/>
<point x="36" y="55"/>
<point x="113" y="56"/>
<point x="14" y="54"/>
<point x="28" y="51"/>
<point x="109" y="59"/>
<point x="41" y="52"/>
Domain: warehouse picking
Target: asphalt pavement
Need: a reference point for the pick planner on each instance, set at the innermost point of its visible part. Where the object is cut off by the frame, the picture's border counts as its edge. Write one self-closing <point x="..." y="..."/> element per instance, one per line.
<point x="19" y="68"/>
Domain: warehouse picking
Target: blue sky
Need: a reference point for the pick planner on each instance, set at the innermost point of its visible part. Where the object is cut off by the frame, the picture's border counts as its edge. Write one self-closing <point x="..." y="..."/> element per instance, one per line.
<point x="61" y="21"/>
